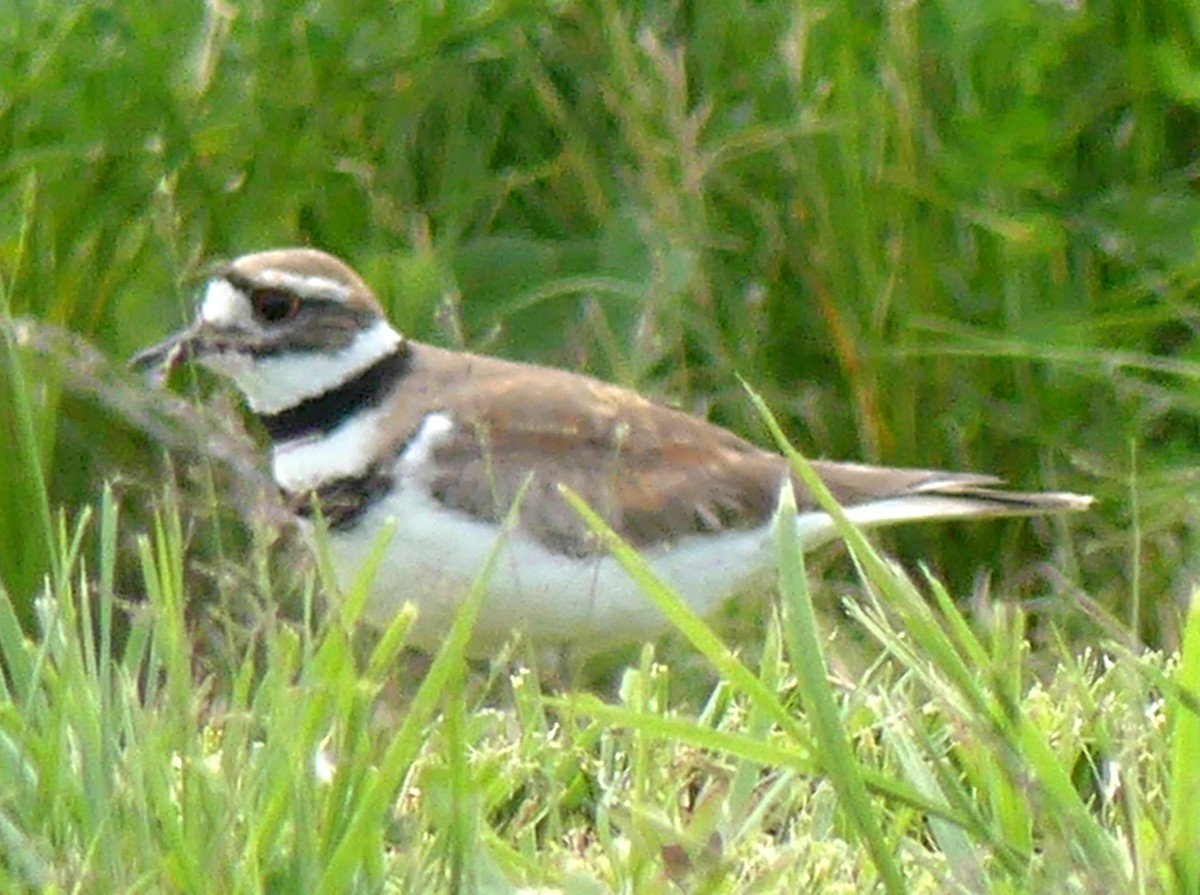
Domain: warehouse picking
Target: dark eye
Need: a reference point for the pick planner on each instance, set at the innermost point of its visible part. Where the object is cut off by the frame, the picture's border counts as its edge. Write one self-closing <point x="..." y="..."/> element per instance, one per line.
<point x="274" y="305"/>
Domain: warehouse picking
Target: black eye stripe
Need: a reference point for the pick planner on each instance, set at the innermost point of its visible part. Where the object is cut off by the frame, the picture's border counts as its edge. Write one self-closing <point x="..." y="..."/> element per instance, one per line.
<point x="316" y="325"/>
<point x="309" y="305"/>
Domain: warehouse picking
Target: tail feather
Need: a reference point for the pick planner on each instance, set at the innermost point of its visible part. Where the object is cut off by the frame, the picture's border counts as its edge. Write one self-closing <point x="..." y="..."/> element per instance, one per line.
<point x="1007" y="502"/>
<point x="926" y="496"/>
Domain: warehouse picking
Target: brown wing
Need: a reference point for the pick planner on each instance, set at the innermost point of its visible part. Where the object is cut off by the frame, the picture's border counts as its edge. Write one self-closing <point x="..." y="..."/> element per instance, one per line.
<point x="655" y="474"/>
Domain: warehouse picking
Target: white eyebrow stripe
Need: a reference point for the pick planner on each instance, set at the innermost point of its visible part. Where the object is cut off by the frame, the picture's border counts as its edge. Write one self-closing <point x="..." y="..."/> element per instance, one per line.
<point x="303" y="286"/>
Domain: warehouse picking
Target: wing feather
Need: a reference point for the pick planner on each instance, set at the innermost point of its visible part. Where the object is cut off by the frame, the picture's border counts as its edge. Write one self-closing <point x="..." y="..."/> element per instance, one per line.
<point x="655" y="474"/>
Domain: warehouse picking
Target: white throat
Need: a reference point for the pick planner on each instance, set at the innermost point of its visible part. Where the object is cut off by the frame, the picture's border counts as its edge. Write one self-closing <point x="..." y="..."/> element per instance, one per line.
<point x="274" y="383"/>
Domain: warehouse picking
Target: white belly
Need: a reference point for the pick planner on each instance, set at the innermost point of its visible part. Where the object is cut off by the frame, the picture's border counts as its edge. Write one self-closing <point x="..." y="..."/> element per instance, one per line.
<point x="435" y="554"/>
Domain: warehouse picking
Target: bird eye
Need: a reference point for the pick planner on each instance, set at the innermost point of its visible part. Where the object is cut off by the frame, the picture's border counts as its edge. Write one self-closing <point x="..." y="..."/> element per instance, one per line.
<point x="274" y="305"/>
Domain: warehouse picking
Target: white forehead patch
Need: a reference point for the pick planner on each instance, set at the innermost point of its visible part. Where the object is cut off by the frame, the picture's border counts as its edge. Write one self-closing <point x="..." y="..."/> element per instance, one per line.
<point x="225" y="306"/>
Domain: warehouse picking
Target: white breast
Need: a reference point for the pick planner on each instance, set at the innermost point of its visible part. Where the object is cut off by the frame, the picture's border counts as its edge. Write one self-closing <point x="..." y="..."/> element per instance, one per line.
<point x="436" y="553"/>
<point x="304" y="463"/>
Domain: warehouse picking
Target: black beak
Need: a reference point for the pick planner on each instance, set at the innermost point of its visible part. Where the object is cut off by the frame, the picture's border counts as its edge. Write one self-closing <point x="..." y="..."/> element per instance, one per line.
<point x="164" y="356"/>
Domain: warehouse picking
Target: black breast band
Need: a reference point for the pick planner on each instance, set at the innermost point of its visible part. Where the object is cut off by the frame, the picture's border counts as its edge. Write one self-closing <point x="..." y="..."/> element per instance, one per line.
<point x="321" y="414"/>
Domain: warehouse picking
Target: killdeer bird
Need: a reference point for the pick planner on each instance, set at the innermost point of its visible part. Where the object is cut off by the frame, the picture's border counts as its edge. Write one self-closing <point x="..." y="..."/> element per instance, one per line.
<point x="376" y="426"/>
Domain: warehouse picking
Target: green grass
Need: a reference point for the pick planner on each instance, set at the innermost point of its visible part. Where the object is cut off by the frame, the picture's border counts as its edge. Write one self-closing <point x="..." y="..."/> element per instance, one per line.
<point x="948" y="234"/>
<point x="945" y="767"/>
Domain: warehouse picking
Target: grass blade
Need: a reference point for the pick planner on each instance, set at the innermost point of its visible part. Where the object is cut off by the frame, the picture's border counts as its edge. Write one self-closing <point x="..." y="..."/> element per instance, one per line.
<point x="804" y="645"/>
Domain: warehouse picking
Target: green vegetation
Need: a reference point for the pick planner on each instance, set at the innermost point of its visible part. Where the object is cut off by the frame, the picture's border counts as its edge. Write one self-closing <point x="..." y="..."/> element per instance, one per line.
<point x="948" y="234"/>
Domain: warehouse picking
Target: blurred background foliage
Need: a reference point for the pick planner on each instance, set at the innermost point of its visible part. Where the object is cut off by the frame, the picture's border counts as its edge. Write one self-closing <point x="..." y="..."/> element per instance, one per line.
<point x="955" y="234"/>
